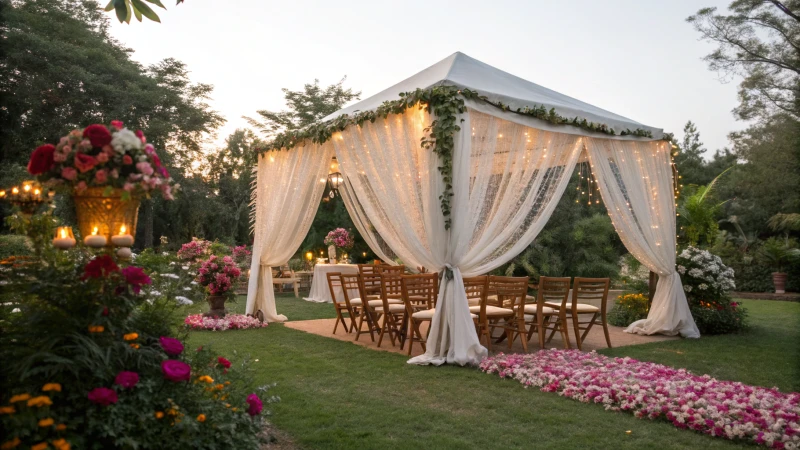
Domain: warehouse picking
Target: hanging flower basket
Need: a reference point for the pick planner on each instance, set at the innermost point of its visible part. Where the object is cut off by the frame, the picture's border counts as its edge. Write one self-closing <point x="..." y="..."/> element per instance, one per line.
<point x="108" y="213"/>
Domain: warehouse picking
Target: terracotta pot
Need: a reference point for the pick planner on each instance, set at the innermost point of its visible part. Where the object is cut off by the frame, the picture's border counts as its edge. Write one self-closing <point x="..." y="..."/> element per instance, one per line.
<point x="216" y="306"/>
<point x="779" y="280"/>
<point x="108" y="213"/>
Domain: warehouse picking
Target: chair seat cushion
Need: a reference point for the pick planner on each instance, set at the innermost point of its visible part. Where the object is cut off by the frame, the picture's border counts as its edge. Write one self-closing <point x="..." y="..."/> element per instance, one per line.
<point x="492" y="311"/>
<point x="424" y="315"/>
<point x="393" y="308"/>
<point x="355" y="301"/>
<point x="379" y="302"/>
<point x="531" y="309"/>
<point x="474" y="302"/>
<point x="580" y="307"/>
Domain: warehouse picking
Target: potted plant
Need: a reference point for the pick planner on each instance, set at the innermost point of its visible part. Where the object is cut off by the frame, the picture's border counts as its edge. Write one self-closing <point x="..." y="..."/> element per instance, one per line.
<point x="778" y="253"/>
<point x="218" y="276"/>
<point x="106" y="171"/>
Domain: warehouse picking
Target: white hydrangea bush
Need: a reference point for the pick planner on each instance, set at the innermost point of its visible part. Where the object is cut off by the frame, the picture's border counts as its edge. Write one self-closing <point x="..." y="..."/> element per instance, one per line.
<point x="704" y="275"/>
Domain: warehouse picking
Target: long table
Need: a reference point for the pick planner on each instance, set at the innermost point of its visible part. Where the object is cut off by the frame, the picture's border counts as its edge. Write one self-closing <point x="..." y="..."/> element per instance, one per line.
<point x="320" y="292"/>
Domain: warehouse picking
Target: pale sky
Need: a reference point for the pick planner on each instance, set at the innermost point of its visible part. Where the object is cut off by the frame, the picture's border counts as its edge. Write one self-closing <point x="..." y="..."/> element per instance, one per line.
<point x="636" y="58"/>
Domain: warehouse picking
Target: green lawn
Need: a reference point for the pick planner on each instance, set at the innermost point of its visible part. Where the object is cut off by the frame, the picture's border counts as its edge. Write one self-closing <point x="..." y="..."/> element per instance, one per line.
<point x="339" y="395"/>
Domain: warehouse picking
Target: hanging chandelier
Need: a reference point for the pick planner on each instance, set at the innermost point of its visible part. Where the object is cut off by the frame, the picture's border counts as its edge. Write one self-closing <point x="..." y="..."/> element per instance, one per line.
<point x="335" y="179"/>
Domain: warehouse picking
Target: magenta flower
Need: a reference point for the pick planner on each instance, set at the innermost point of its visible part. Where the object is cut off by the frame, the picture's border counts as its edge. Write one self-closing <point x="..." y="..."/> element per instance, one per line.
<point x="175" y="370"/>
<point x="102" y="396"/>
<point x="255" y="405"/>
<point x="127" y="379"/>
<point x="170" y="345"/>
<point x="135" y="277"/>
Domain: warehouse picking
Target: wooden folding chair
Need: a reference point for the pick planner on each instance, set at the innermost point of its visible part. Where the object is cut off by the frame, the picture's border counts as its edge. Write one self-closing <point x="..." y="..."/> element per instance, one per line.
<point x="370" y="275"/>
<point x="539" y="316"/>
<point x="477" y="289"/>
<point x="393" y="313"/>
<point x="286" y="276"/>
<point x="342" y="304"/>
<point x="509" y="293"/>
<point x="491" y="311"/>
<point x="584" y="291"/>
<point x="419" y="296"/>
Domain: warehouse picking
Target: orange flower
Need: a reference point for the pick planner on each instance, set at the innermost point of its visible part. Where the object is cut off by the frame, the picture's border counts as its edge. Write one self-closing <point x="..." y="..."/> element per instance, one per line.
<point x="52" y="387"/>
<point x="235" y="409"/>
<point x="172" y="412"/>
<point x="41" y="400"/>
<point x="10" y="444"/>
<point x="201" y="418"/>
<point x="206" y="378"/>
<point x="227" y="405"/>
<point x="159" y="414"/>
<point x="19" y="398"/>
<point x="46" y="422"/>
<point x="61" y="444"/>
<point x="39" y="446"/>
<point x="61" y="427"/>
<point x="227" y="383"/>
<point x="96" y="328"/>
<point x="134" y="346"/>
<point x="7" y="410"/>
<point x="131" y="336"/>
<point x="220" y="387"/>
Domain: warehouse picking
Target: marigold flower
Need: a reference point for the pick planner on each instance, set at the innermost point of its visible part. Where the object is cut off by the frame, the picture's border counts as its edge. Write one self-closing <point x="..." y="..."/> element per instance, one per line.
<point x="19" y="398"/>
<point x="10" y="444"/>
<point x="96" y="328"/>
<point x="227" y="383"/>
<point x="220" y="387"/>
<point x="41" y="400"/>
<point x="46" y="422"/>
<point x="172" y="412"/>
<point x="159" y="414"/>
<point x="134" y="346"/>
<point x="7" y="410"/>
<point x="227" y="405"/>
<point x="52" y="387"/>
<point x="61" y="444"/>
<point x="61" y="427"/>
<point x="39" y="446"/>
<point x="131" y="336"/>
<point x="235" y="409"/>
<point x="206" y="379"/>
<point x="201" y="418"/>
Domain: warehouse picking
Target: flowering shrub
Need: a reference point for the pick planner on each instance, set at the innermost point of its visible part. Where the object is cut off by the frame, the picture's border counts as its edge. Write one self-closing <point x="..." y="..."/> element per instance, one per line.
<point x="724" y="409"/>
<point x="628" y="309"/>
<point x="707" y="281"/>
<point x="241" y="255"/>
<point x="99" y="157"/>
<point x="90" y="363"/>
<point x="229" y="322"/>
<point x="340" y="239"/>
<point x="198" y="248"/>
<point x="218" y="274"/>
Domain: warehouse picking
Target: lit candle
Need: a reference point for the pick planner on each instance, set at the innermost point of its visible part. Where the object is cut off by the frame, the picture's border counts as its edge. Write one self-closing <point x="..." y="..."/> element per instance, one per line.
<point x="309" y="256"/>
<point x="15" y="190"/>
<point x="64" y="239"/>
<point x="95" y="240"/>
<point x="124" y="252"/>
<point x="123" y="239"/>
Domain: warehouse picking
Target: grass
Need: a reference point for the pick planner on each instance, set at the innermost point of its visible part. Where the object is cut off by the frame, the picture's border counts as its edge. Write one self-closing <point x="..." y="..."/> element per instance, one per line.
<point x="339" y="395"/>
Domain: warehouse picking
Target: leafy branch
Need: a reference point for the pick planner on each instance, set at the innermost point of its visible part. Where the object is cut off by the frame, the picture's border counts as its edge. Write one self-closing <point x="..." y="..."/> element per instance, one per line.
<point x="137" y="8"/>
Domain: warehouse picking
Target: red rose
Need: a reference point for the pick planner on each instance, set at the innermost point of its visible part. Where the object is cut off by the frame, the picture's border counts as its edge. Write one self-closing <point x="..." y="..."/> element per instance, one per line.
<point x="97" y="134"/>
<point x="136" y="277"/>
<point x="176" y="370"/>
<point x="84" y="162"/>
<point x="255" y="405"/>
<point x="224" y="362"/>
<point x="127" y="160"/>
<point x="117" y="124"/>
<point x="170" y="345"/>
<point x="41" y="159"/>
<point x="102" y="396"/>
<point x="127" y="379"/>
<point x="105" y="310"/>
<point x="99" y="267"/>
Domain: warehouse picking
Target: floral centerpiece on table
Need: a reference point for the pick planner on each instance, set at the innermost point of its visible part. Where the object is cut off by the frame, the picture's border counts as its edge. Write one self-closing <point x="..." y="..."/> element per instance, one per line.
<point x="101" y="157"/>
<point x="338" y="239"/>
<point x="707" y="282"/>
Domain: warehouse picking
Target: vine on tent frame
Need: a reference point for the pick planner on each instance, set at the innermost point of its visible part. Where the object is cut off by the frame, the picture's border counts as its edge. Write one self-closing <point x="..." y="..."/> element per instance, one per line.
<point x="445" y="103"/>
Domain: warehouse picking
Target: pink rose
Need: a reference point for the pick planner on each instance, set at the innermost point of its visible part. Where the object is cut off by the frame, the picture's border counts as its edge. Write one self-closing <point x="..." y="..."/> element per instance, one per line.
<point x="68" y="173"/>
<point x="140" y="135"/>
<point x="80" y="187"/>
<point x="108" y="150"/>
<point x="127" y="379"/>
<point x="101" y="176"/>
<point x="114" y="173"/>
<point x="255" y="405"/>
<point x="170" y="345"/>
<point x="117" y="124"/>
<point x="59" y="157"/>
<point x="145" y="168"/>
<point x="166" y="191"/>
<point x="127" y="160"/>
<point x="176" y="370"/>
<point x="102" y="396"/>
<point x="128" y="187"/>
<point x="102" y="157"/>
<point x="84" y="162"/>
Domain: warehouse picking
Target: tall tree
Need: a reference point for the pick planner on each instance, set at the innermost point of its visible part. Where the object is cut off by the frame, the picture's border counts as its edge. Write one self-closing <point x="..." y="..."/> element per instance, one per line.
<point x="305" y="107"/>
<point x="689" y="158"/>
<point x="758" y="40"/>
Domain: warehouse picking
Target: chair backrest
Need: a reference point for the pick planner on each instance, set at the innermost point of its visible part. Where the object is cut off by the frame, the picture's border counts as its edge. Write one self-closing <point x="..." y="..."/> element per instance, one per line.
<point x="510" y="292"/>
<point x="370" y="278"/>
<point x="351" y="287"/>
<point x="419" y="291"/>
<point x="286" y="271"/>
<point x="553" y="290"/>
<point x="477" y="288"/>
<point x="335" y="285"/>
<point x="391" y="287"/>
<point x="399" y="270"/>
<point x="590" y="290"/>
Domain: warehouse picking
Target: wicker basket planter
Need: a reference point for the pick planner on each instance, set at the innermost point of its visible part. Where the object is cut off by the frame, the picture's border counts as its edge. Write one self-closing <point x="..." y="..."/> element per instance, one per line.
<point x="106" y="212"/>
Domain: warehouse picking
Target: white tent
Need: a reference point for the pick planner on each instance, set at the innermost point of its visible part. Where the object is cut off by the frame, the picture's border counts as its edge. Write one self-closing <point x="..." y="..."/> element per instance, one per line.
<point x="457" y="169"/>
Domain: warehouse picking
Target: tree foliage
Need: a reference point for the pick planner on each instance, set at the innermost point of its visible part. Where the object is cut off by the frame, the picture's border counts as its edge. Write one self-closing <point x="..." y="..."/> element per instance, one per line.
<point x="758" y="40"/>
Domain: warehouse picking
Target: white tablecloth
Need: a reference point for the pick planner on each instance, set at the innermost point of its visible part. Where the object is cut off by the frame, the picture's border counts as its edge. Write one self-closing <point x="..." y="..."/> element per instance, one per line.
<point x="320" y="292"/>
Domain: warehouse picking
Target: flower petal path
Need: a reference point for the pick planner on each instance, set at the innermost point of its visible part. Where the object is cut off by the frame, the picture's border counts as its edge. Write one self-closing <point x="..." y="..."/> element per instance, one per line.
<point x="726" y="409"/>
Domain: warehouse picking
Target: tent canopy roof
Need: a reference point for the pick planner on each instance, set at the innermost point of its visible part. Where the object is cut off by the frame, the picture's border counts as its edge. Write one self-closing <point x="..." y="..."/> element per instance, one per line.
<point x="463" y="71"/>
